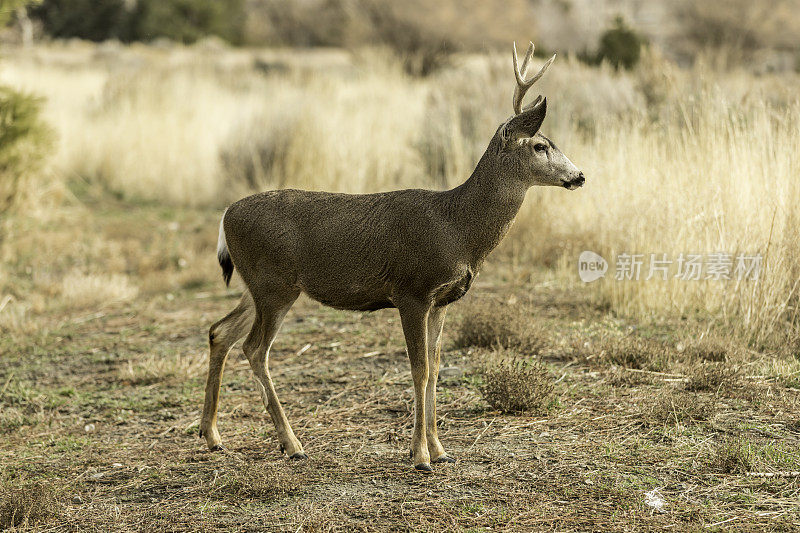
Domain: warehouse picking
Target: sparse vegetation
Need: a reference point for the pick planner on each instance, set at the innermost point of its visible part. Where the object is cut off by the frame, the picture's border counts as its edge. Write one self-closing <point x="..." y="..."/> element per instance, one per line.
<point x="491" y="324"/>
<point x="514" y="385"/>
<point x="671" y="407"/>
<point x="712" y="377"/>
<point x="26" y="504"/>
<point x="262" y="482"/>
<point x="635" y="352"/>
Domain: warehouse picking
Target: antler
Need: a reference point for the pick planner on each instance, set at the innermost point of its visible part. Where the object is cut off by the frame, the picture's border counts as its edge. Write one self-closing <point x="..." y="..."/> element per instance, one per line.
<point x="522" y="84"/>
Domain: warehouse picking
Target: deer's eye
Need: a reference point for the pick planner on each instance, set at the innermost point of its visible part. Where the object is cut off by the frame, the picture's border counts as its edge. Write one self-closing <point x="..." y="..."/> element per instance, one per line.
<point x="540" y="147"/>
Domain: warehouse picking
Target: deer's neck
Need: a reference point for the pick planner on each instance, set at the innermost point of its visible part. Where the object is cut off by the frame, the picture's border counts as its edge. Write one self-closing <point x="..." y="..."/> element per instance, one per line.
<point x="484" y="207"/>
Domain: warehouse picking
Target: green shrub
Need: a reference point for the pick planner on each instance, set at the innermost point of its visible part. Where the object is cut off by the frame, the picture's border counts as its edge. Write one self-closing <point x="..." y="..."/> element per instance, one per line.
<point x="620" y="45"/>
<point x="95" y="20"/>
<point x="187" y="21"/>
<point x="180" y="20"/>
<point x="24" y="139"/>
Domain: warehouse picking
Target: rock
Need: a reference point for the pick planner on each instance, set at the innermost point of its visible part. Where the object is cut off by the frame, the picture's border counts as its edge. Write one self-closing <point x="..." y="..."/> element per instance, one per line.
<point x="451" y="372"/>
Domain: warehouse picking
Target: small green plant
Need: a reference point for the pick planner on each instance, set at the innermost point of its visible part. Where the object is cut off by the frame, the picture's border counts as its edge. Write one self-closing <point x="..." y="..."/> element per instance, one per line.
<point x="513" y="385"/>
<point x="733" y="456"/>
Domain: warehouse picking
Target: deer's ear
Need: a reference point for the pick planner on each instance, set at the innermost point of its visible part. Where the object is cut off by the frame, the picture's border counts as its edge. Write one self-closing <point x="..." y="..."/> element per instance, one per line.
<point x="529" y="121"/>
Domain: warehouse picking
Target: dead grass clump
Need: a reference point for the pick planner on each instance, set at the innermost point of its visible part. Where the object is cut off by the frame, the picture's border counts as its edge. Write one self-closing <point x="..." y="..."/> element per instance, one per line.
<point x="495" y="325"/>
<point x="733" y="456"/>
<point x="23" y="504"/>
<point x="90" y="290"/>
<point x="262" y="481"/>
<point x="712" y="377"/>
<point x="619" y="377"/>
<point x="673" y="407"/>
<point x="513" y="385"/>
<point x="635" y="352"/>
<point x="158" y="367"/>
<point x="708" y="349"/>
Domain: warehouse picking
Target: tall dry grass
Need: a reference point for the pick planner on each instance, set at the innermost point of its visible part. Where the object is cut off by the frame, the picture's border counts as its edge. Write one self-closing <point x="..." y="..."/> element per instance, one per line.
<point x="678" y="161"/>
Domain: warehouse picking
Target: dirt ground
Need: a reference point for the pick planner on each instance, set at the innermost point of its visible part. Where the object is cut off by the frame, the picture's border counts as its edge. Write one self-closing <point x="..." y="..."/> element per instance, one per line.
<point x="106" y="407"/>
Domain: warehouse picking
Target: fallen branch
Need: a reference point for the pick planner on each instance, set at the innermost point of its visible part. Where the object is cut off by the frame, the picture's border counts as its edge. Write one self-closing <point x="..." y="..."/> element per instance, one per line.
<point x="791" y="473"/>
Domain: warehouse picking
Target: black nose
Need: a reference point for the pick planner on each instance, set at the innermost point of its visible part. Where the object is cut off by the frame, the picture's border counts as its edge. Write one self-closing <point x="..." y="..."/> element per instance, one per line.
<point x="580" y="179"/>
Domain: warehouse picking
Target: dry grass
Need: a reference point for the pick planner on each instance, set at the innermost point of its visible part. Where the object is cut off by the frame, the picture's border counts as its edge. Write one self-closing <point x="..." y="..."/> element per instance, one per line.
<point x="261" y="481"/>
<point x="26" y="504"/>
<point x="514" y="385"/>
<point x="81" y="290"/>
<point x="635" y="352"/>
<point x="672" y="408"/>
<point x="193" y="127"/>
<point x="586" y="465"/>
<point x="159" y="367"/>
<point x="712" y="377"/>
<point x="491" y="324"/>
<point x="711" y="349"/>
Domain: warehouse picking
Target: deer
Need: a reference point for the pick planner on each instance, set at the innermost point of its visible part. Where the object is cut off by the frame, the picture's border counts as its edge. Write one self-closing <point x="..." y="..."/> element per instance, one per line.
<point x="415" y="250"/>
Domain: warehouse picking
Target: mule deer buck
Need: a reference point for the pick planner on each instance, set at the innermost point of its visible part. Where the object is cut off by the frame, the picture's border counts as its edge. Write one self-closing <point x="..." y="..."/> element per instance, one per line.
<point x="414" y="250"/>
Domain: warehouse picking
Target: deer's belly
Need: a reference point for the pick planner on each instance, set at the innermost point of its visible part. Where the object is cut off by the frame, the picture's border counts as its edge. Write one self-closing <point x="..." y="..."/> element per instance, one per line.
<point x="349" y="296"/>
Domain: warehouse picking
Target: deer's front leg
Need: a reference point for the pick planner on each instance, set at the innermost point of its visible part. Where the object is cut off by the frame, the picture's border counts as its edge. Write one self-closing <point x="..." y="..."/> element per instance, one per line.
<point x="435" y="326"/>
<point x="414" y="316"/>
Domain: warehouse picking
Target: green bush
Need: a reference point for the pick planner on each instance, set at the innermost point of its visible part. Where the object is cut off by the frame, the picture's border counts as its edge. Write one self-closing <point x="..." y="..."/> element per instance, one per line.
<point x="187" y="21"/>
<point x="180" y="20"/>
<point x="95" y="20"/>
<point x="621" y="46"/>
<point x="24" y="139"/>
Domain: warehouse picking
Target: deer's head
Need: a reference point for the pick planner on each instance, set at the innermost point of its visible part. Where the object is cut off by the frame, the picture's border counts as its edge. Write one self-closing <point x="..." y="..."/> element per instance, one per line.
<point x="533" y="158"/>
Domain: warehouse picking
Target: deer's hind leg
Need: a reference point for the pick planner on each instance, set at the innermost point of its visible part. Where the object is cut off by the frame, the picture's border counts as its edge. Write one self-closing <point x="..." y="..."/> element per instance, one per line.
<point x="270" y="311"/>
<point x="221" y="338"/>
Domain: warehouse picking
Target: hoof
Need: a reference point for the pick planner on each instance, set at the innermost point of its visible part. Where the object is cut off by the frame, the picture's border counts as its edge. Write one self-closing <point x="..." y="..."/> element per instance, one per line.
<point x="217" y="448"/>
<point x="423" y="467"/>
<point x="298" y="456"/>
<point x="444" y="459"/>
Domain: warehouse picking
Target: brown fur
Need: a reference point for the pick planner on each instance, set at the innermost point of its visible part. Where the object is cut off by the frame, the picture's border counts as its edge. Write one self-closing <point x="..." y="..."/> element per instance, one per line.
<point x="416" y="250"/>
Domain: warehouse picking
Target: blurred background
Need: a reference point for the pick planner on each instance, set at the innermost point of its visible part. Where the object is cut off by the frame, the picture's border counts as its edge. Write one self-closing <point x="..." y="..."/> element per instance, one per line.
<point x="126" y="126"/>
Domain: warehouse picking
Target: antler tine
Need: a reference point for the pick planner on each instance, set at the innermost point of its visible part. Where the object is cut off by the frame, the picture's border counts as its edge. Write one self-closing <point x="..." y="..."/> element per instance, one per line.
<point x="520" y="72"/>
<point x="522" y="84"/>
